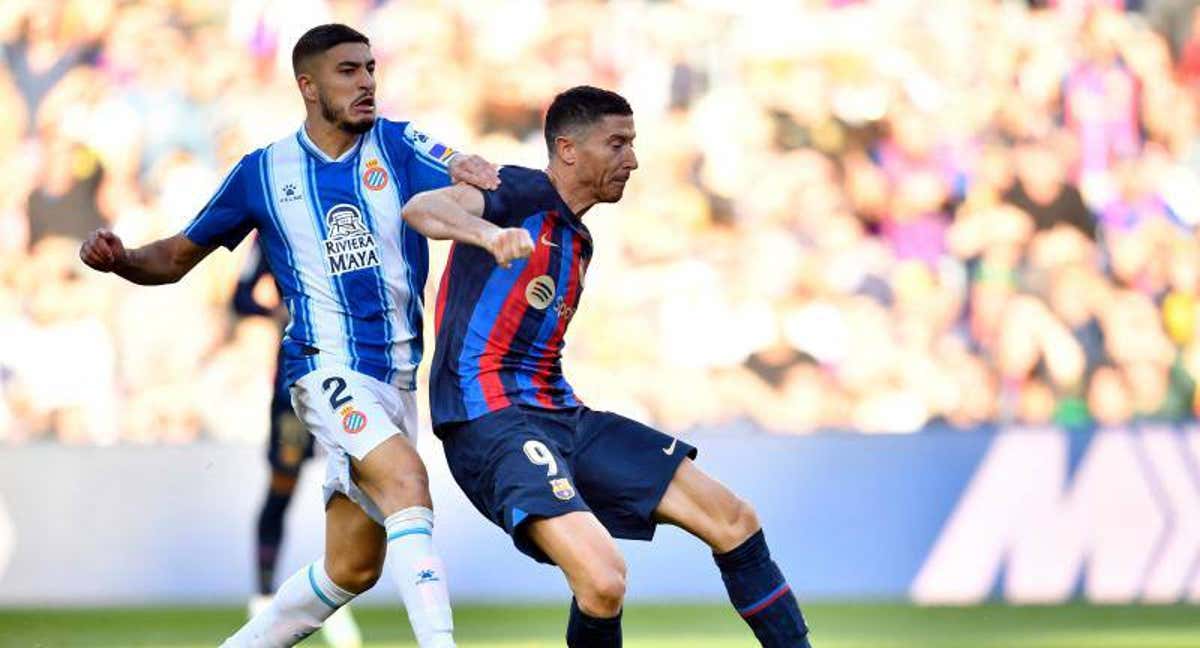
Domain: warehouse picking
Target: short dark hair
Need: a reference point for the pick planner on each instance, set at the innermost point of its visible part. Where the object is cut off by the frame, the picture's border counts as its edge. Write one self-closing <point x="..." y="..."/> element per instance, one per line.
<point x="321" y="39"/>
<point x="581" y="106"/>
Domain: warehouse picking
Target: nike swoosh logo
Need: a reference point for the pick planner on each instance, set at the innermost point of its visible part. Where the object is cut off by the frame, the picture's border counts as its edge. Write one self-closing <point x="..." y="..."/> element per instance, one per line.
<point x="671" y="450"/>
<point x="546" y="241"/>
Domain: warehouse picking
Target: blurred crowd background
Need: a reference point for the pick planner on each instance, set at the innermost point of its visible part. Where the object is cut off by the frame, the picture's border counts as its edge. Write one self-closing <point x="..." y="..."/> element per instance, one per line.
<point x="849" y="215"/>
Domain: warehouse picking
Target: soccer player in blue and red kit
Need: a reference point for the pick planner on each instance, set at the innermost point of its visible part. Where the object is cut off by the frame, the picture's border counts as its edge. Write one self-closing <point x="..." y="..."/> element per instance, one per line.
<point x="560" y="478"/>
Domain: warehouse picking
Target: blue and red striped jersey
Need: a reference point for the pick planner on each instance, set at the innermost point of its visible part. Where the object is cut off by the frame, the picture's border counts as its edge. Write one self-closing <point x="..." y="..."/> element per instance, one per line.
<point x="500" y="330"/>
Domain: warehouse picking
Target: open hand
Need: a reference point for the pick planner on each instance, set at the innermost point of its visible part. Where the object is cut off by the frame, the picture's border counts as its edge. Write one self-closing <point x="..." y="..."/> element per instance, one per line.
<point x="474" y="171"/>
<point x="103" y="251"/>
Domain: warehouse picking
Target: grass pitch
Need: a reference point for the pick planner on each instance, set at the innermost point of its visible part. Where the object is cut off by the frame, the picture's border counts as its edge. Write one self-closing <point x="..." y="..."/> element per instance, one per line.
<point x="882" y="625"/>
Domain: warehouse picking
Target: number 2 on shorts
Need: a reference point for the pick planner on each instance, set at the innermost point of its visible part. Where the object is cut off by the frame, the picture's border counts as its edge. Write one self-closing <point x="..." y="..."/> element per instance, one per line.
<point x="338" y="385"/>
<point x="540" y="455"/>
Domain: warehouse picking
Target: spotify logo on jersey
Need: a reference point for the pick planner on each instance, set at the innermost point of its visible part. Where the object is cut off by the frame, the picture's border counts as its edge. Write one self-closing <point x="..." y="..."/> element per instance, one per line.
<point x="540" y="292"/>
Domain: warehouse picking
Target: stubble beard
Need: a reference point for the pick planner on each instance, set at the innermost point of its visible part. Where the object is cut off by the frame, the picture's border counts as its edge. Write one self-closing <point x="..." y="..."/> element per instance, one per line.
<point x="345" y="125"/>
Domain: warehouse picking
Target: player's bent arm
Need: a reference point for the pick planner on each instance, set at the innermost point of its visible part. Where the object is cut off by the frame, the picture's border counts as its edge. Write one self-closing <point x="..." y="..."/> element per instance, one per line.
<point x="456" y="213"/>
<point x="453" y="212"/>
<point x="161" y="262"/>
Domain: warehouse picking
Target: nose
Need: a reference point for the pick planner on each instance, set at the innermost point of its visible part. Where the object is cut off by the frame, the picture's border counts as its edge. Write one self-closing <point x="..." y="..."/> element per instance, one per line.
<point x="631" y="162"/>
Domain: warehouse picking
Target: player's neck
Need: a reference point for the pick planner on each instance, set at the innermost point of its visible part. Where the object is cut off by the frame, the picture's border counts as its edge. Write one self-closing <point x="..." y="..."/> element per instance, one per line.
<point x="327" y="137"/>
<point x="579" y="198"/>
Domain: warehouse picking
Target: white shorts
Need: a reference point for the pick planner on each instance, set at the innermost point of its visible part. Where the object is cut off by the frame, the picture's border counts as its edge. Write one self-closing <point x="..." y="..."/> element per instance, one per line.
<point x="350" y="414"/>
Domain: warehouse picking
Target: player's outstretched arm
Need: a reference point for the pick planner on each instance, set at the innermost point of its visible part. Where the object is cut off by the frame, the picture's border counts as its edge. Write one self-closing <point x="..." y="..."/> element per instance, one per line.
<point x="456" y="213"/>
<point x="161" y="262"/>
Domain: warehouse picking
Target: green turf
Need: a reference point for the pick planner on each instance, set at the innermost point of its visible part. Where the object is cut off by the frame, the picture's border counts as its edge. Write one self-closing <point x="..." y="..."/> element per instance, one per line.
<point x="651" y="626"/>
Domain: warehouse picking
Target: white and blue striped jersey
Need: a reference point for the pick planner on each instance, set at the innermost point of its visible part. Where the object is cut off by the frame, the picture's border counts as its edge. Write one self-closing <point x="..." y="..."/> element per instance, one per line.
<point x="351" y="272"/>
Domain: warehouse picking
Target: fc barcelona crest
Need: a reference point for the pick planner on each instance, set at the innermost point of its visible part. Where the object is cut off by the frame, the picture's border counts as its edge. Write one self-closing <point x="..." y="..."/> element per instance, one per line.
<point x="375" y="177"/>
<point x="562" y="488"/>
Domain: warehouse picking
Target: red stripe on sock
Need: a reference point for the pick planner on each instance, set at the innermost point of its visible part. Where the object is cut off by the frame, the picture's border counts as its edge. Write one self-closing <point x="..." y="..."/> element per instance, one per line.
<point x="767" y="603"/>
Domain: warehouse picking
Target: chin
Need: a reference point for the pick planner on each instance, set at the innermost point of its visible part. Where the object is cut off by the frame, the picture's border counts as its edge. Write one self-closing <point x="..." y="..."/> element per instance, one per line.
<point x="359" y="126"/>
<point x="613" y="196"/>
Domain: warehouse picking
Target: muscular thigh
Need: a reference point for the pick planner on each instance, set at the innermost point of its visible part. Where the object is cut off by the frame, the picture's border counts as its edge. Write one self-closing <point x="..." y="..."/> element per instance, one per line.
<point x="706" y="508"/>
<point x="393" y="476"/>
<point x="577" y="543"/>
<point x="353" y="415"/>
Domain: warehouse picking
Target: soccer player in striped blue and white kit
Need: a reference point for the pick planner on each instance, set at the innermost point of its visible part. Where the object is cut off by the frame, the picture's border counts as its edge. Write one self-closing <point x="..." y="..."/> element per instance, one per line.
<point x="288" y="446"/>
<point x="326" y="202"/>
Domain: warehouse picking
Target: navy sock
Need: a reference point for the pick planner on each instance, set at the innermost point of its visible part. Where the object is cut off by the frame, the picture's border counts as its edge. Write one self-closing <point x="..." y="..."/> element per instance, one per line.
<point x="270" y="533"/>
<point x="760" y="594"/>
<point x="585" y="631"/>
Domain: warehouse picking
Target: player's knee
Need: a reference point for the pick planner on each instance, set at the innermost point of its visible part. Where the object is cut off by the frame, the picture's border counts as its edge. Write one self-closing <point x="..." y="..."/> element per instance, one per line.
<point x="353" y="574"/>
<point x="746" y="519"/>
<point x="602" y="591"/>
<point x="282" y="483"/>
<point x="408" y="486"/>
<point x="738" y="522"/>
<point x="398" y="491"/>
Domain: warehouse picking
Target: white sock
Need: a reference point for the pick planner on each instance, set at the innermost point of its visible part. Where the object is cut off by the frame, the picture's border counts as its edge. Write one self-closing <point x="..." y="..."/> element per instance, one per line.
<point x="419" y="573"/>
<point x="298" y="609"/>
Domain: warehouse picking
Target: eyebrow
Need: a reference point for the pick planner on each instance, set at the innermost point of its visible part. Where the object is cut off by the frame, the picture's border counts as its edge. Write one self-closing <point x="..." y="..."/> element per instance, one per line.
<point x="348" y="63"/>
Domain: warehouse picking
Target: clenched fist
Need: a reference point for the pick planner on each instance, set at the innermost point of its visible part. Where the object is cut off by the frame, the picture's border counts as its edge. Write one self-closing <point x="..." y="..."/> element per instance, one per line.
<point x="509" y="244"/>
<point x="103" y="251"/>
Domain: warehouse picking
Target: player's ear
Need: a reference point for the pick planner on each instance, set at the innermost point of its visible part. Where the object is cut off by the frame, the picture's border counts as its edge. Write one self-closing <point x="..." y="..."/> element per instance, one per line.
<point x="565" y="147"/>
<point x="307" y="86"/>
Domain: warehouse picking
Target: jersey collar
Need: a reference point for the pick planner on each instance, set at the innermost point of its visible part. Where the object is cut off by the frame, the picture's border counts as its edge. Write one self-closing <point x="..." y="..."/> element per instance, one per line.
<point x="308" y="145"/>
<point x="564" y="211"/>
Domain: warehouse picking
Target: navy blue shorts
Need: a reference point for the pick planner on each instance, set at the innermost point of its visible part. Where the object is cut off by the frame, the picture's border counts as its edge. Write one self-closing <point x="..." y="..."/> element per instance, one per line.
<point x="525" y="462"/>
<point x="290" y="443"/>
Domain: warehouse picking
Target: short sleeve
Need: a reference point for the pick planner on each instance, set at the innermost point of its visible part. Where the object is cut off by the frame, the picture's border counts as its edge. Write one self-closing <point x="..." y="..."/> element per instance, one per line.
<point x="428" y="166"/>
<point x="226" y="219"/>
<point x="496" y="207"/>
<point x="510" y="203"/>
